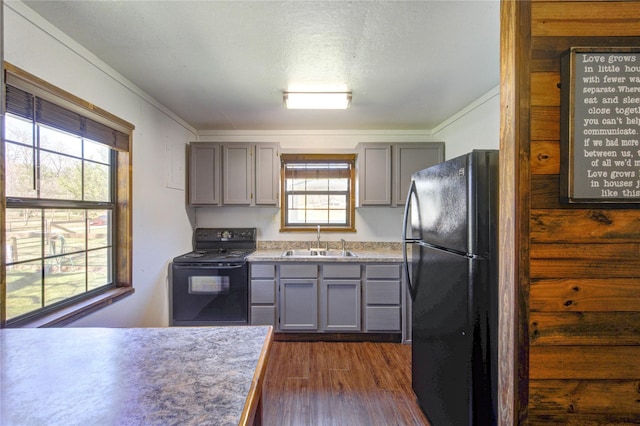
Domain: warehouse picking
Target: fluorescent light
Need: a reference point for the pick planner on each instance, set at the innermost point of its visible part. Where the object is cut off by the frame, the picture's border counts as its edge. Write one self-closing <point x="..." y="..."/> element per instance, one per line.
<point x="317" y="100"/>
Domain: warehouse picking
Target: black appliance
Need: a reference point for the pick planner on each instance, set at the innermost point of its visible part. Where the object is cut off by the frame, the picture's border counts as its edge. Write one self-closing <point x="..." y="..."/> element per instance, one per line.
<point x="452" y="208"/>
<point x="210" y="285"/>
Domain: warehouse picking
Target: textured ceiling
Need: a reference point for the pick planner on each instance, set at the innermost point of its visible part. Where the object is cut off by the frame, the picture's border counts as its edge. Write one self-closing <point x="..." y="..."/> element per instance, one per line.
<point x="224" y="65"/>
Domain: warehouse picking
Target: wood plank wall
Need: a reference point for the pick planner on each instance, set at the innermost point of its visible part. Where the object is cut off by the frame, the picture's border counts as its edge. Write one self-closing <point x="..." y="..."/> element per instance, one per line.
<point x="584" y="262"/>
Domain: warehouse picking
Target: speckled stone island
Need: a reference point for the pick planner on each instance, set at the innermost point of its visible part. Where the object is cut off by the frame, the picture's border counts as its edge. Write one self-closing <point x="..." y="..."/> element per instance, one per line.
<point x="136" y="376"/>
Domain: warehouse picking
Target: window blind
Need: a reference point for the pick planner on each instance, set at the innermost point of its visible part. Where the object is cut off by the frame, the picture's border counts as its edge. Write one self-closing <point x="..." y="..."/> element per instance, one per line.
<point x="20" y="103"/>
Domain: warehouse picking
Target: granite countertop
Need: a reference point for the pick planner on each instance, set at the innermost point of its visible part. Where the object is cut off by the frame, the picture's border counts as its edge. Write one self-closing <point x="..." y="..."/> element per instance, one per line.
<point x="271" y="251"/>
<point x="131" y="376"/>
<point x="361" y="257"/>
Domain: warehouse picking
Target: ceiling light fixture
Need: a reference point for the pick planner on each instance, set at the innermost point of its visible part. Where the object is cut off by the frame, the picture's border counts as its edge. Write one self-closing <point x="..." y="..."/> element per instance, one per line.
<point x="317" y="100"/>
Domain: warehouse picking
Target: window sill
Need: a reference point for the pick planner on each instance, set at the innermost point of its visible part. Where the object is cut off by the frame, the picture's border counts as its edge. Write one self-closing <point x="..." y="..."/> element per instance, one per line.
<point x="72" y="313"/>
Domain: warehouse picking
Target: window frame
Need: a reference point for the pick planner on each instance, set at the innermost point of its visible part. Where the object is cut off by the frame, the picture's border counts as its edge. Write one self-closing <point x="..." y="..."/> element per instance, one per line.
<point x="318" y="158"/>
<point x="122" y="200"/>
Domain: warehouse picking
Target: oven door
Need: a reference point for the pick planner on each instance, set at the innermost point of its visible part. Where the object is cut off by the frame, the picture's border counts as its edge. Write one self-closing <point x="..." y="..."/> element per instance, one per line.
<point x="209" y="294"/>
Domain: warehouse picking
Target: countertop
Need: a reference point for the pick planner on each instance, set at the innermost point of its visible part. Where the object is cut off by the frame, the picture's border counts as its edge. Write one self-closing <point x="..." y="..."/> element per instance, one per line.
<point x="362" y="256"/>
<point x="132" y="376"/>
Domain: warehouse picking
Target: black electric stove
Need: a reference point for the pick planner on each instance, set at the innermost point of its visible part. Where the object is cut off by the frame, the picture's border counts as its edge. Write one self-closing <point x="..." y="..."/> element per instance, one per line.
<point x="210" y="285"/>
<point x="216" y="245"/>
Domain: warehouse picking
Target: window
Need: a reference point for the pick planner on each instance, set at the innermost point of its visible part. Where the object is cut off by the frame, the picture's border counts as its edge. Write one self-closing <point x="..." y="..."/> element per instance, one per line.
<point x="318" y="189"/>
<point x="67" y="189"/>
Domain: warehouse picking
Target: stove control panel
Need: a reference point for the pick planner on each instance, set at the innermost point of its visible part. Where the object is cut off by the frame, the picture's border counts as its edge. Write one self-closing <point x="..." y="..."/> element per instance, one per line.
<point x="225" y="234"/>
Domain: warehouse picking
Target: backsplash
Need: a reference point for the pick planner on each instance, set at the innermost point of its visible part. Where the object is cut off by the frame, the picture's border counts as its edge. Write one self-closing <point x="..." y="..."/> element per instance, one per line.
<point x="333" y="245"/>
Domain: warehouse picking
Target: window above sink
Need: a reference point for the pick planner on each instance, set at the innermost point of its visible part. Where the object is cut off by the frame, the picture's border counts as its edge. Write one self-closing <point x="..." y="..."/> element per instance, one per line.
<point x="318" y="189"/>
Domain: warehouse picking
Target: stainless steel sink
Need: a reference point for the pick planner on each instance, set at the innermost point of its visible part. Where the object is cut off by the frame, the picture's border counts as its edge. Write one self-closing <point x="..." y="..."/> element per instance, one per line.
<point x="318" y="253"/>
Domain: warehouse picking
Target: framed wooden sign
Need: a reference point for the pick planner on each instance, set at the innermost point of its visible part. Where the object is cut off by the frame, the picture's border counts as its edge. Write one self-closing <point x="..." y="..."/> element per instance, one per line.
<point x="600" y="125"/>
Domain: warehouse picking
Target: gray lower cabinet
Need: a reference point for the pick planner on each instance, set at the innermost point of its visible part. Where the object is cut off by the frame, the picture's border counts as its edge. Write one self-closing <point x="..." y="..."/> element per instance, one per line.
<point x="326" y="297"/>
<point x="340" y="296"/>
<point x="262" y="294"/>
<point x="298" y="300"/>
<point x="383" y="303"/>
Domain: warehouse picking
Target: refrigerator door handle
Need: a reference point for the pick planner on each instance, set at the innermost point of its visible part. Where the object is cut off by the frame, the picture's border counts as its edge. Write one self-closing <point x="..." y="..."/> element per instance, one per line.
<point x="411" y="288"/>
<point x="405" y="240"/>
<point x="407" y="207"/>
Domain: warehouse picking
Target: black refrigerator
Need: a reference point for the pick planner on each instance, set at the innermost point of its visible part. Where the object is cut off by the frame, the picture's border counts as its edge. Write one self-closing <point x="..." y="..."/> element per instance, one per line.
<point x="450" y="255"/>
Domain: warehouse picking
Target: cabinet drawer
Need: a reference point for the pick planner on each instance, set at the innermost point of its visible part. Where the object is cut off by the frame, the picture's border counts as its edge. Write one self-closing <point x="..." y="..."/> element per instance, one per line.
<point x="263" y="271"/>
<point x="263" y="315"/>
<point x="382" y="292"/>
<point x="382" y="318"/>
<point x="263" y="291"/>
<point x="341" y="271"/>
<point x="299" y="271"/>
<point x="383" y="271"/>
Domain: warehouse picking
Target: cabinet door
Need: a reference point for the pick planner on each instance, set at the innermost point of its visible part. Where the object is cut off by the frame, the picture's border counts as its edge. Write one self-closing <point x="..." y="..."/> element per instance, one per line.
<point x="204" y="173"/>
<point x="267" y="174"/>
<point x="237" y="188"/>
<point x="410" y="158"/>
<point x="340" y="304"/>
<point x="374" y="174"/>
<point x="299" y="304"/>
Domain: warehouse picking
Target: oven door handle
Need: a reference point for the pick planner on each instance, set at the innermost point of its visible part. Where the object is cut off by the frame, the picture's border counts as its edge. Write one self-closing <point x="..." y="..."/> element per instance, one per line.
<point x="208" y="266"/>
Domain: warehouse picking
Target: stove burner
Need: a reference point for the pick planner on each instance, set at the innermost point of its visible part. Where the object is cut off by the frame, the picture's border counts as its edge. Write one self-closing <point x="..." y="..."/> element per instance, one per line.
<point x="196" y="254"/>
<point x="214" y="255"/>
<point x="220" y="245"/>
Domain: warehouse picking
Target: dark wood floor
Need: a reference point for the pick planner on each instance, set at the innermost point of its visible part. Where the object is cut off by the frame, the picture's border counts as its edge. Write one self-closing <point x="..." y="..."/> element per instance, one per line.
<point x="339" y="383"/>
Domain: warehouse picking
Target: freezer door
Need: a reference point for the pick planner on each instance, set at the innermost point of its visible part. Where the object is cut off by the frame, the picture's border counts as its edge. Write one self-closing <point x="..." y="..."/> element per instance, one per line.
<point x="439" y="213"/>
<point x="446" y="381"/>
<point x="455" y="203"/>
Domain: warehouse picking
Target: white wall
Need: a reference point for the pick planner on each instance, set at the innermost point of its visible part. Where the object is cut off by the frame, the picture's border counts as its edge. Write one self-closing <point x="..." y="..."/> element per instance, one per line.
<point x="475" y="127"/>
<point x="161" y="229"/>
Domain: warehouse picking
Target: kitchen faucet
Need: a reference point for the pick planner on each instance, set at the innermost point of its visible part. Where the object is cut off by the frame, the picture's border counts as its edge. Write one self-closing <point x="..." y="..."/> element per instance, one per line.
<point x="343" y="242"/>
<point x="317" y="249"/>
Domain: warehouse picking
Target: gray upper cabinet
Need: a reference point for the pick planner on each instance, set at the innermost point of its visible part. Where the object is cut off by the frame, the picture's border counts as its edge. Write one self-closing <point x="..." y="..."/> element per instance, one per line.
<point x="234" y="174"/>
<point x="374" y="174"/>
<point x="385" y="169"/>
<point x="237" y="174"/>
<point x="409" y="158"/>
<point x="204" y="173"/>
<point x="267" y="174"/>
